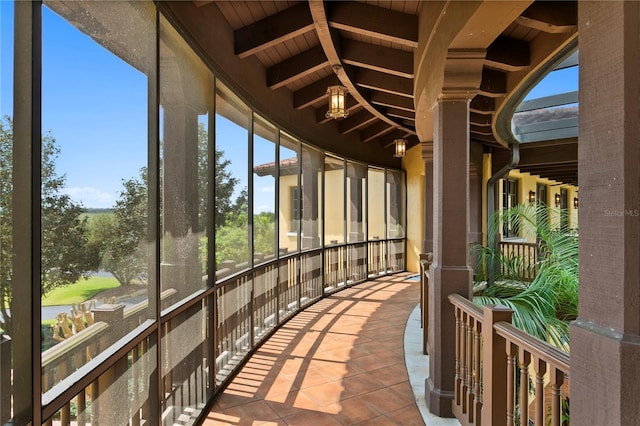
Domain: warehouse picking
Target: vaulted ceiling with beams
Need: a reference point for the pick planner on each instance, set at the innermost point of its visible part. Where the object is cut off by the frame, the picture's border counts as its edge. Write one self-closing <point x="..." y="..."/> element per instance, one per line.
<point x="368" y="47"/>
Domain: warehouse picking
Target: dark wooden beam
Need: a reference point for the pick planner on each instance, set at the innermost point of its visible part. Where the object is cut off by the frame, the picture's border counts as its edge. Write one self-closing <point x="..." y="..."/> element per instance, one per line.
<point x="539" y="157"/>
<point x="493" y="84"/>
<point x="551" y="17"/>
<point x="296" y="67"/>
<point x="480" y="119"/>
<point x="481" y="130"/>
<point x="508" y="54"/>
<point x="392" y="101"/>
<point x="403" y="114"/>
<point x="272" y="30"/>
<point x="377" y="58"/>
<point x="374" y="131"/>
<point x="356" y="121"/>
<point x="384" y="82"/>
<point x="312" y="93"/>
<point x="375" y="22"/>
<point x="482" y="105"/>
<point x="486" y="140"/>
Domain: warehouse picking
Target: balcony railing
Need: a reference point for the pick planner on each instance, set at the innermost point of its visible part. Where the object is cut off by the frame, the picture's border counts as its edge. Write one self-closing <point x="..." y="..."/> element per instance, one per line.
<point x="93" y="378"/>
<point x="521" y="259"/>
<point x="504" y="376"/>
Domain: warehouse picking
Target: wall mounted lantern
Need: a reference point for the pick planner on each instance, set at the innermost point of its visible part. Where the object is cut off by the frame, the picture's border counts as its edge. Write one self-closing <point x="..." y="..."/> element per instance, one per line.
<point x="337" y="102"/>
<point x="401" y="147"/>
<point x="575" y="202"/>
<point x="557" y="200"/>
<point x="532" y="197"/>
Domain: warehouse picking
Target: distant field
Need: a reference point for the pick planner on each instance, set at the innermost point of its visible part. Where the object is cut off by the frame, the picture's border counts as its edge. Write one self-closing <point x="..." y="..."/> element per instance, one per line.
<point x="91" y="213"/>
<point x="80" y="291"/>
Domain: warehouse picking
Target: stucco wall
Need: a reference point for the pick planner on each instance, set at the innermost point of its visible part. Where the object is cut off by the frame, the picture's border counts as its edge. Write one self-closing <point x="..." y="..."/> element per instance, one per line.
<point x="414" y="167"/>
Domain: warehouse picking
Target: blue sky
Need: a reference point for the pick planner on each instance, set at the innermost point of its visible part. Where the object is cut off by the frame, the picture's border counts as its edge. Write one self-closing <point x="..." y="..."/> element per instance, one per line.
<point x="560" y="81"/>
<point x="95" y="105"/>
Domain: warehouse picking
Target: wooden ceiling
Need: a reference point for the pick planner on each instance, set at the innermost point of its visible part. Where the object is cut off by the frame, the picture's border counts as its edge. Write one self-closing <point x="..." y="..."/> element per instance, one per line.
<point x="368" y="47"/>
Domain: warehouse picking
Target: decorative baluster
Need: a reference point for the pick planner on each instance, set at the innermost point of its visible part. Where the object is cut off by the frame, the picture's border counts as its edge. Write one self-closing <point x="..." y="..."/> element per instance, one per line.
<point x="463" y="361"/>
<point x="540" y="368"/>
<point x="469" y="345"/>
<point x="524" y="359"/>
<point x="511" y="388"/>
<point x="477" y="374"/>
<point x="458" y="376"/>
<point x="557" y="378"/>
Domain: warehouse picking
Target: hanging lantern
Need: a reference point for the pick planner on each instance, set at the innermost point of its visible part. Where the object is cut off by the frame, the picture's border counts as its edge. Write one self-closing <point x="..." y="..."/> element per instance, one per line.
<point x="401" y="147"/>
<point x="337" y="102"/>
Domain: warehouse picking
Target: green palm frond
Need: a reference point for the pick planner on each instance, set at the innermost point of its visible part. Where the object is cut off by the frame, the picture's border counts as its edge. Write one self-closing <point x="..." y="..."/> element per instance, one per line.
<point x="544" y="306"/>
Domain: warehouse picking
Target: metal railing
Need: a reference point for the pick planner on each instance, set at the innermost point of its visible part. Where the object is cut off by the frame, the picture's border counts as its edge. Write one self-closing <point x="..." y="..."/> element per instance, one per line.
<point x="207" y="338"/>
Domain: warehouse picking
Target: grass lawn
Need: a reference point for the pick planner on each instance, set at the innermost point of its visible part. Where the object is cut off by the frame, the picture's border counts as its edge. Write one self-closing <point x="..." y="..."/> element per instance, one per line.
<point x="80" y="291"/>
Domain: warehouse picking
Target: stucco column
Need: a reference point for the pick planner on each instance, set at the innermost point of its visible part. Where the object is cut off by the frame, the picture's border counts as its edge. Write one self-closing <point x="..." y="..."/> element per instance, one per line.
<point x="427" y="157"/>
<point x="475" y="198"/>
<point x="605" y="339"/>
<point x="450" y="269"/>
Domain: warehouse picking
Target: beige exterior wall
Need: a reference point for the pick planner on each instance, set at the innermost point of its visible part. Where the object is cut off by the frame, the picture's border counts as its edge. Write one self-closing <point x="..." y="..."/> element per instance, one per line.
<point x="334" y="206"/>
<point x="413" y="165"/>
<point x="375" y="201"/>
<point x="527" y="182"/>
<point x="287" y="239"/>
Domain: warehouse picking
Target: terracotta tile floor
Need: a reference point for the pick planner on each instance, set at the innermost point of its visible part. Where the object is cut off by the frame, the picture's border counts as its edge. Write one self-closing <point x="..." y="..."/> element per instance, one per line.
<point x="340" y="362"/>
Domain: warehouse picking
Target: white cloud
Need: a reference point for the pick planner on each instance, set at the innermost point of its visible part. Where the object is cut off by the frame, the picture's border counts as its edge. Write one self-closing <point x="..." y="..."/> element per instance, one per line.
<point x="91" y="197"/>
<point x="267" y="189"/>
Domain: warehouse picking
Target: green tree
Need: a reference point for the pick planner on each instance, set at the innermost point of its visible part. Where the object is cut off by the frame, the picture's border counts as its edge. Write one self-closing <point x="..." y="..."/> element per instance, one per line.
<point x="225" y="183"/>
<point x="65" y="255"/>
<point x="120" y="238"/>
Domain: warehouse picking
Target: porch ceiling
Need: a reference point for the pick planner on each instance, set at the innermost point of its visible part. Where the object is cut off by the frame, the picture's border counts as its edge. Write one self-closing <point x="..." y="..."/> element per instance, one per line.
<point x="299" y="43"/>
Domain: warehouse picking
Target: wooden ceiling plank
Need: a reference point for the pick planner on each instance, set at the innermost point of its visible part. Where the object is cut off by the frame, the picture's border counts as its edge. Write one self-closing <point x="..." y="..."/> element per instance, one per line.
<point x="378" y="58"/>
<point x="391" y="100"/>
<point x="480" y="130"/>
<point x="296" y="67"/>
<point x="406" y="115"/>
<point x="539" y="157"/>
<point x="312" y="93"/>
<point x="376" y="22"/>
<point x="551" y="17"/>
<point x="327" y="40"/>
<point x="494" y="83"/>
<point x="272" y="30"/>
<point x="384" y="82"/>
<point x="508" y="54"/>
<point x="356" y="121"/>
<point x="479" y="119"/>
<point x="375" y="131"/>
<point x="482" y="105"/>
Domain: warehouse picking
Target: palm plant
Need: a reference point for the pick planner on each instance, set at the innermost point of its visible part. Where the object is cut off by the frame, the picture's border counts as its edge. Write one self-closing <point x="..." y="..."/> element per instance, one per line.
<point x="544" y="306"/>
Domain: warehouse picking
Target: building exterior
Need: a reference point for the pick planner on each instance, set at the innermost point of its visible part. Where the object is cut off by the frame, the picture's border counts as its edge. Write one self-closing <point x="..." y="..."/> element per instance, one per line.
<point x="239" y="200"/>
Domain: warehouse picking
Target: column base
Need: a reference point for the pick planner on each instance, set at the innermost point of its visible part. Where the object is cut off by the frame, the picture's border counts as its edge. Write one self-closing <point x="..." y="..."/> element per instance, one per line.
<point x="439" y="402"/>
